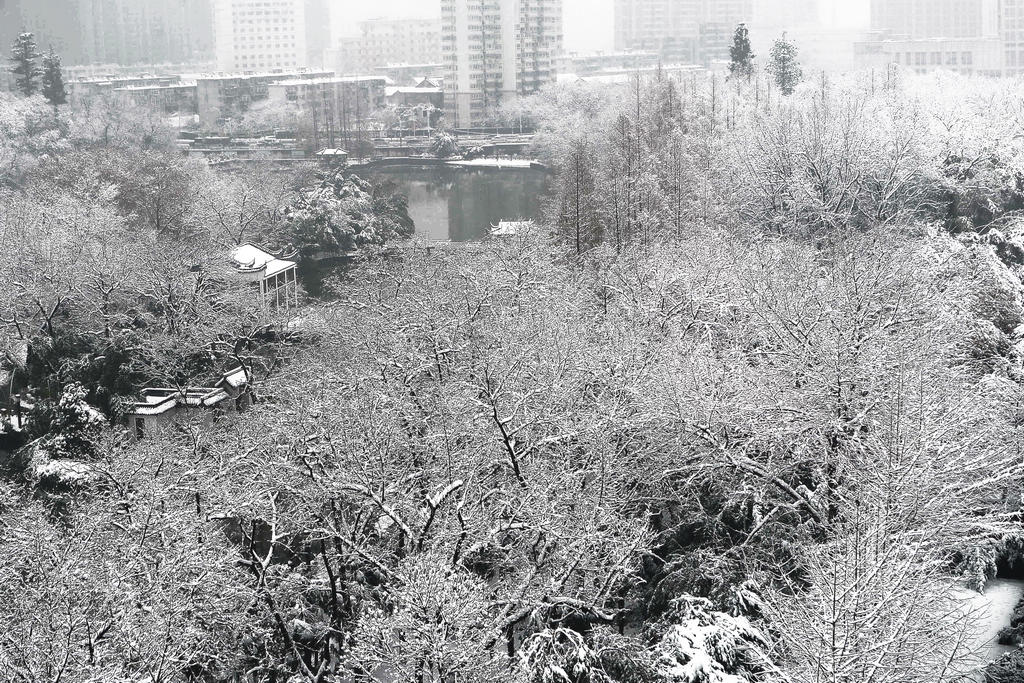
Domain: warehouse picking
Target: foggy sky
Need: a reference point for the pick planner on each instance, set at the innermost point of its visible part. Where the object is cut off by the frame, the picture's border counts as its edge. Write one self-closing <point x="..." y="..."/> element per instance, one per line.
<point x="588" y="23"/>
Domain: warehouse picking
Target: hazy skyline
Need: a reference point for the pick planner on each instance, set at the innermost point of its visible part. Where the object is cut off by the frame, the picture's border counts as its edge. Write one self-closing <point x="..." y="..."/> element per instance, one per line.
<point x="588" y="23"/>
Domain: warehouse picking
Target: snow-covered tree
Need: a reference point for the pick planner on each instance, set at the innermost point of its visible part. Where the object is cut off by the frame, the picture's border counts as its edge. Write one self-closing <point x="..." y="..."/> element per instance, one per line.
<point x="344" y="213"/>
<point x="561" y="655"/>
<point x="25" y="67"/>
<point x="444" y="145"/>
<point x="784" y="65"/>
<point x="741" y="55"/>
<point x="705" y="646"/>
<point x="53" y="80"/>
<point x="71" y="428"/>
<point x="422" y="630"/>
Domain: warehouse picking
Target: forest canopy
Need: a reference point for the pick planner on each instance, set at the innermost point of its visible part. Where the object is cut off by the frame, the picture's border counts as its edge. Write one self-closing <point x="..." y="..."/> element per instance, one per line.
<point x="745" y="407"/>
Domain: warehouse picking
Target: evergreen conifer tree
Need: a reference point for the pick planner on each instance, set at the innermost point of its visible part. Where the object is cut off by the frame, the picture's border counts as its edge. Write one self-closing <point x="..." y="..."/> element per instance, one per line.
<point x="784" y="65"/>
<point x="53" y="80"/>
<point x="24" y="56"/>
<point x="741" y="55"/>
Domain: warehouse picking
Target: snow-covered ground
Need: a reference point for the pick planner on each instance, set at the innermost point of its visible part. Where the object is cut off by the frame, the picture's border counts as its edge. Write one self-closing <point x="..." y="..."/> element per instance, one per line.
<point x="994" y="608"/>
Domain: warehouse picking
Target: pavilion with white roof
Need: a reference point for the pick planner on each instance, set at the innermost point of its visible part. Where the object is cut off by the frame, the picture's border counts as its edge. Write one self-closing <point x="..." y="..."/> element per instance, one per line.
<point x="278" y="278"/>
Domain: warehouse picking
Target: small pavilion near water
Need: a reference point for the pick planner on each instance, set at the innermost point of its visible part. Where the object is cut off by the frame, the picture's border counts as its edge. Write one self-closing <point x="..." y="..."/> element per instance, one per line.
<point x="277" y="275"/>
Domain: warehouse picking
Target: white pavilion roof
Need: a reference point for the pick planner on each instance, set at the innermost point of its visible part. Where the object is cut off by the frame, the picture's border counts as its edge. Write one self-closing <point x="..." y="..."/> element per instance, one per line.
<point x="250" y="258"/>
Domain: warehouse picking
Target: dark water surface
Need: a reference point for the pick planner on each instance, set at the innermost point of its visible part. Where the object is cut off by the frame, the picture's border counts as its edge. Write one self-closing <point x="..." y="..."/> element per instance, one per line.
<point x="448" y="203"/>
<point x="461" y="204"/>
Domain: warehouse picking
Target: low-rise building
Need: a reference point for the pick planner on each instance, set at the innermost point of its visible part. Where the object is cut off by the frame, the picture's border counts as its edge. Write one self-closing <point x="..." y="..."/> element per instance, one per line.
<point x="253" y="150"/>
<point x="179" y="98"/>
<point x="417" y="108"/>
<point x="158" y="407"/>
<point x="94" y="86"/>
<point x="609" y="76"/>
<point x="413" y="97"/>
<point x="587" y="64"/>
<point x="338" y="106"/>
<point x="379" y="42"/>
<point x="221" y="96"/>
<point x="332" y="157"/>
<point x="412" y="74"/>
<point x="966" y="36"/>
<point x="922" y="55"/>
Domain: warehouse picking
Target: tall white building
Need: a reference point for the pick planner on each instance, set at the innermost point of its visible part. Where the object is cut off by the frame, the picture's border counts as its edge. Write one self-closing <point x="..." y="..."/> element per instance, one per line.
<point x="936" y="18"/>
<point x="496" y="50"/>
<point x="668" y="27"/>
<point x="383" y="42"/>
<point x="260" y="35"/>
<point x="682" y="31"/>
<point x="811" y="26"/>
<point x="775" y="16"/>
<point x="1011" y="33"/>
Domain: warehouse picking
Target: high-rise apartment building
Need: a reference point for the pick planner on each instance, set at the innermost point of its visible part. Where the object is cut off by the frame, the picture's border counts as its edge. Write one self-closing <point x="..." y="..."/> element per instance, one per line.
<point x="670" y="28"/>
<point x="783" y="15"/>
<point x="691" y="31"/>
<point x="936" y="18"/>
<point x="318" y="31"/>
<point x="260" y="35"/>
<point x="131" y="32"/>
<point x="382" y="42"/>
<point x="496" y="50"/>
<point x="124" y="32"/>
<point x="1011" y="32"/>
<point x="824" y="43"/>
<point x="55" y="24"/>
<point x="718" y="22"/>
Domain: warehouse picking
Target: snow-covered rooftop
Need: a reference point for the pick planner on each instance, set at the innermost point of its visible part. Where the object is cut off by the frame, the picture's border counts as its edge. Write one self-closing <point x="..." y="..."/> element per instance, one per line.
<point x="412" y="90"/>
<point x="334" y="79"/>
<point x="299" y="73"/>
<point x="184" y="85"/>
<point x="249" y="258"/>
<point x="236" y="378"/>
<point x="157" y="401"/>
<point x="510" y="228"/>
